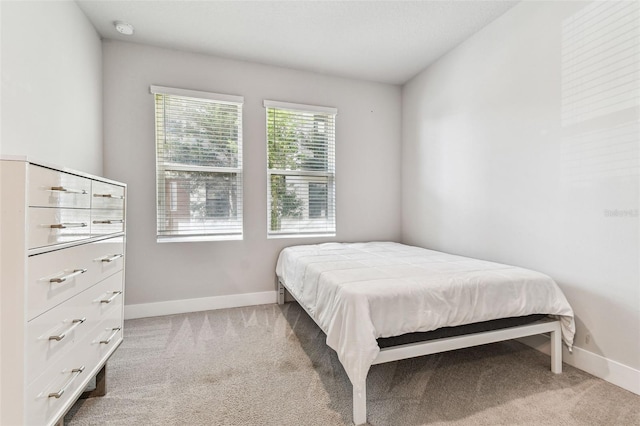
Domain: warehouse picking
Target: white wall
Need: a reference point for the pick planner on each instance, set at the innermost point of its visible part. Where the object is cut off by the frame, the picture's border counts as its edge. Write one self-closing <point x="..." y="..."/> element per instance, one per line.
<point x="505" y="158"/>
<point x="51" y="91"/>
<point x="367" y="166"/>
<point x="51" y="84"/>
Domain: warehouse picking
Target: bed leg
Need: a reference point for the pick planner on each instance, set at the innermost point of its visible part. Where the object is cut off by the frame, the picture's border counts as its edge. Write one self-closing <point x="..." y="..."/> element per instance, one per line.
<point x="360" y="404"/>
<point x="280" y="293"/>
<point x="556" y="351"/>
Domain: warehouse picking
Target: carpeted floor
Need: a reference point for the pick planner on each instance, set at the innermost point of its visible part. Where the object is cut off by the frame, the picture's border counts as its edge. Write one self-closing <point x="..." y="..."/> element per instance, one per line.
<point x="269" y="365"/>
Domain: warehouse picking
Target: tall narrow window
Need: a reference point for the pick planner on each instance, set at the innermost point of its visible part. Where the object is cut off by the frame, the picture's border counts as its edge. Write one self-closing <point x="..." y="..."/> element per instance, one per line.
<point x="198" y="165"/>
<point x="300" y="169"/>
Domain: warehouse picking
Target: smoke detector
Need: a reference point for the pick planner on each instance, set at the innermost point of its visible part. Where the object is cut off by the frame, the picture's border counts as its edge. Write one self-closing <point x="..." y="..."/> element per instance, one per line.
<point x="123" y="28"/>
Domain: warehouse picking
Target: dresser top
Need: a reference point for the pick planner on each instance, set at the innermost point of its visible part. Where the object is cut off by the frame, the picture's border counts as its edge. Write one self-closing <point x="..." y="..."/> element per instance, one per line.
<point x="30" y="160"/>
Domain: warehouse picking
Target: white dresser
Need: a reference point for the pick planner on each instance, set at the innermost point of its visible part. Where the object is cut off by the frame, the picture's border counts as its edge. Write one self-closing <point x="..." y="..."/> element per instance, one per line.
<point x="62" y="256"/>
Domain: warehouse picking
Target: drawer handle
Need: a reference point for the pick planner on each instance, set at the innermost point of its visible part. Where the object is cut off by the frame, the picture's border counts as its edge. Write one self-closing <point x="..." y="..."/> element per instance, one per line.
<point x="76" y="372"/>
<point x="117" y="197"/>
<point x="110" y="259"/>
<point x="112" y="298"/>
<point x="111" y="336"/>
<point x="69" y="225"/>
<point x="69" y="190"/>
<point x="74" y="324"/>
<point x="63" y="278"/>
<point x="108" y="221"/>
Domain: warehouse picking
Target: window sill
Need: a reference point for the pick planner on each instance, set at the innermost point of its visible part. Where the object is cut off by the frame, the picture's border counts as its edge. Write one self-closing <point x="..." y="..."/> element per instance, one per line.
<point x="199" y="238"/>
<point x="282" y="236"/>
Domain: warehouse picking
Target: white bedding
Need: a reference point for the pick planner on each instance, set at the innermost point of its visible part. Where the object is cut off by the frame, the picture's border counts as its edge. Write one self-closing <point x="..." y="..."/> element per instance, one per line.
<point x="362" y="291"/>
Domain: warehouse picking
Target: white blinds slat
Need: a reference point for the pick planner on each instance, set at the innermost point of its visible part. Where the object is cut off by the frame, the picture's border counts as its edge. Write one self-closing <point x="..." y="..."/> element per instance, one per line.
<point x="300" y="108"/>
<point x="196" y="94"/>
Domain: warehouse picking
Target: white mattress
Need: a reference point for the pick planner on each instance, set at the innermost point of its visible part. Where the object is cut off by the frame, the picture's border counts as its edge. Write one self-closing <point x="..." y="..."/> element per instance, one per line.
<point x="362" y="291"/>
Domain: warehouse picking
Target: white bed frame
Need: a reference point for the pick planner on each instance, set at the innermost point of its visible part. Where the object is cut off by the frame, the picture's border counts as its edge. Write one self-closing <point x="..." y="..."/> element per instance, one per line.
<point x="411" y="350"/>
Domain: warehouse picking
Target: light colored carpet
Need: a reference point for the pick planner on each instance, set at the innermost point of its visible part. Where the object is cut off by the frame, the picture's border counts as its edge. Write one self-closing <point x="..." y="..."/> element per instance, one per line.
<point x="269" y="365"/>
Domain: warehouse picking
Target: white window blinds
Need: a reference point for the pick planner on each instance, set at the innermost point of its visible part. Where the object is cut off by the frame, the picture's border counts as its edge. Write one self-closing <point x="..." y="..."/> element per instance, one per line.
<point x="300" y="170"/>
<point x="198" y="165"/>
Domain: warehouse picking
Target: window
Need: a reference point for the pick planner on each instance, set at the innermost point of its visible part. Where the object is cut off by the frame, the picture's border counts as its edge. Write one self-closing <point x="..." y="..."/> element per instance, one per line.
<point x="300" y="170"/>
<point x="198" y="165"/>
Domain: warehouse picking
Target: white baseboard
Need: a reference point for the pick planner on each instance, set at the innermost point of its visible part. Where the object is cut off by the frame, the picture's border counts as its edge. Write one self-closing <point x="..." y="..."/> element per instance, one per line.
<point x="612" y="371"/>
<point x="145" y="310"/>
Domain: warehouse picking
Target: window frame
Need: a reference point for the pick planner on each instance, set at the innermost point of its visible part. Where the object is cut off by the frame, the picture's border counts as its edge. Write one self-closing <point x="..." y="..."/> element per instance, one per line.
<point x="328" y="176"/>
<point x="161" y="168"/>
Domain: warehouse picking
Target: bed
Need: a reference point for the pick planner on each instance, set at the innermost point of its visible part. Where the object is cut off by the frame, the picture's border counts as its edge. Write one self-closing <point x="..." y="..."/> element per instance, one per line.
<point x="363" y="294"/>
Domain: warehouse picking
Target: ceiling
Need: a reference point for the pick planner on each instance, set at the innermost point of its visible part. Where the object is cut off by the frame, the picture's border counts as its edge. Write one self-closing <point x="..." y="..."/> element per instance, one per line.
<point x="383" y="41"/>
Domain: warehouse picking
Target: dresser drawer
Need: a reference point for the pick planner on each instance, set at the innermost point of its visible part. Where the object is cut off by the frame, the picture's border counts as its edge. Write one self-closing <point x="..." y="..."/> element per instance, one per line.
<point x="49" y="226"/>
<point x="105" y="339"/>
<point x="100" y="259"/>
<point x="107" y="196"/>
<point x="107" y="299"/>
<point x="52" y="188"/>
<point x="58" y="331"/>
<point x="66" y="378"/>
<point x="104" y="222"/>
